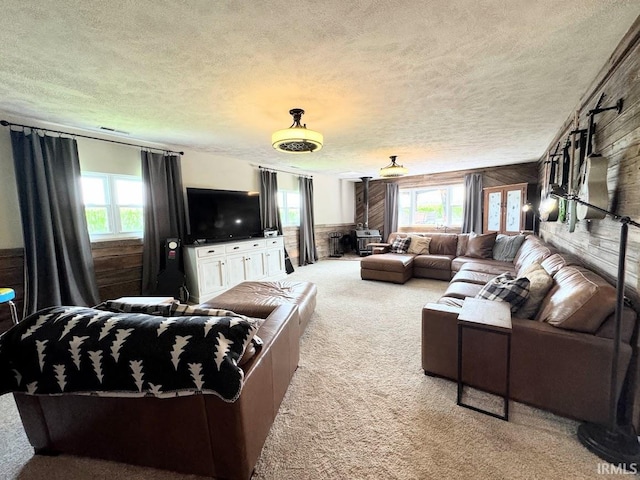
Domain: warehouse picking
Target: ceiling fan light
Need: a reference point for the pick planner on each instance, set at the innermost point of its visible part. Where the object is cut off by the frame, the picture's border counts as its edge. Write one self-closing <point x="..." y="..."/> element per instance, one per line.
<point x="297" y="138"/>
<point x="393" y="169"/>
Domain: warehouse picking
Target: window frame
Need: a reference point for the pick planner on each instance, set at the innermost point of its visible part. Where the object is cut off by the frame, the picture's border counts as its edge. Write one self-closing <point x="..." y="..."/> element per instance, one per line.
<point x="284" y="208"/>
<point x="109" y="182"/>
<point x="448" y="213"/>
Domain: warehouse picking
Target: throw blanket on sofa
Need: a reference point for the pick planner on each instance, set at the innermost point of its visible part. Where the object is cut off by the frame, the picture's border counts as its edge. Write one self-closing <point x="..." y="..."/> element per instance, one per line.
<point x="84" y="350"/>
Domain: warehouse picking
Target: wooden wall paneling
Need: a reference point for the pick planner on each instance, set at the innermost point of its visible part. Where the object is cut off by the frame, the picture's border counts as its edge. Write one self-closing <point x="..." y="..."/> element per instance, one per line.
<point x="491" y="177"/>
<point x="118" y="266"/>
<point x="617" y="138"/>
<point x="11" y="276"/>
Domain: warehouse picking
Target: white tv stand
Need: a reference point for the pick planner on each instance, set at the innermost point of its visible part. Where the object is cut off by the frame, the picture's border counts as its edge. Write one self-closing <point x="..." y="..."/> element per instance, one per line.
<point x="216" y="267"/>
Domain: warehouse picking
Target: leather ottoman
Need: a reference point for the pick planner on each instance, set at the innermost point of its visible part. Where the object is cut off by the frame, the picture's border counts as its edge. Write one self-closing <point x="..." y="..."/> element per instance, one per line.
<point x="258" y="299"/>
<point x="388" y="267"/>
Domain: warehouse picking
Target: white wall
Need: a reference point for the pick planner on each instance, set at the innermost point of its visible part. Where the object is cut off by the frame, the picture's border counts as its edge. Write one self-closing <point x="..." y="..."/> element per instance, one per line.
<point x="333" y="198"/>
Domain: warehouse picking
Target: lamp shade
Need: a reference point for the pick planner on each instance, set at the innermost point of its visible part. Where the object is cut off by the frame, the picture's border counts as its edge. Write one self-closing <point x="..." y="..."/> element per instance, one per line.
<point x="393" y="169"/>
<point x="297" y="138"/>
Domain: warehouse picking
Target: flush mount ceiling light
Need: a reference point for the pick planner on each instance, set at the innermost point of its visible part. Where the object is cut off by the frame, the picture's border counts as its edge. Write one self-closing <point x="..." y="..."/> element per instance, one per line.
<point x="393" y="169"/>
<point x="297" y="138"/>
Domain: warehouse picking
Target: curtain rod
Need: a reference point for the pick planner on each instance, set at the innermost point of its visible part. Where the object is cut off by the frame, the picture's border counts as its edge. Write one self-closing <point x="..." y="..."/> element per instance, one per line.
<point x="284" y="171"/>
<point x="5" y="123"/>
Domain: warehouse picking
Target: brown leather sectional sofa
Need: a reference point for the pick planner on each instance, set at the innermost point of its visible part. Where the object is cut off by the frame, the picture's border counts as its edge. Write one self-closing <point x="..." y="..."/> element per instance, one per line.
<point x="196" y="434"/>
<point x="563" y="367"/>
<point x="560" y="359"/>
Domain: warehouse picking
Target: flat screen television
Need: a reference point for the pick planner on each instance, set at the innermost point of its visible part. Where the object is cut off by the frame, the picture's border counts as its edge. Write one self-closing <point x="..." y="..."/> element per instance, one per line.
<point x="218" y="215"/>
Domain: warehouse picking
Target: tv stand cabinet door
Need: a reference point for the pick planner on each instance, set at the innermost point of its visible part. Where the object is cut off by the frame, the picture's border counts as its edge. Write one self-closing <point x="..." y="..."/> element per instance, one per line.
<point x="211" y="276"/>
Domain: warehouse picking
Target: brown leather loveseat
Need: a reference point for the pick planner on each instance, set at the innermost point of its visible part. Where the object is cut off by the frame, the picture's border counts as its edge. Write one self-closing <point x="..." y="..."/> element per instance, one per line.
<point x="197" y="434"/>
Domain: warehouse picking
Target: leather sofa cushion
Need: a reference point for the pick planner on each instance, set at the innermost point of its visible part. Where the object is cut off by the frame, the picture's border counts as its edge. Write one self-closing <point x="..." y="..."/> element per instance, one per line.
<point x="462" y="290"/>
<point x="259" y="299"/>
<point x="531" y="251"/>
<point x="463" y="240"/>
<point x="481" y="265"/>
<point x="468" y="276"/>
<point x="579" y="300"/>
<point x="451" y="301"/>
<point x="553" y="263"/>
<point x="438" y="262"/>
<point x="481" y="246"/>
<point x="388" y="262"/>
<point x="443" y="244"/>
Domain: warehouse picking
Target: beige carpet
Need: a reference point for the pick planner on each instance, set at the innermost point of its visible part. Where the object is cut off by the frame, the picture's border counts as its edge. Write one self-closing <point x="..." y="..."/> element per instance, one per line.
<point x="360" y="407"/>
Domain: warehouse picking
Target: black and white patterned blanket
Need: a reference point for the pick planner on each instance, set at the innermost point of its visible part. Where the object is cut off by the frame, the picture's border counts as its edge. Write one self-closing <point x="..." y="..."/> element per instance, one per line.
<point x="84" y="350"/>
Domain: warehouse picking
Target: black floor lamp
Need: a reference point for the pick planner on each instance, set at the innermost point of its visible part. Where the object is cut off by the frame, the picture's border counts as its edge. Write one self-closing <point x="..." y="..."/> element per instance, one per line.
<point x="612" y="442"/>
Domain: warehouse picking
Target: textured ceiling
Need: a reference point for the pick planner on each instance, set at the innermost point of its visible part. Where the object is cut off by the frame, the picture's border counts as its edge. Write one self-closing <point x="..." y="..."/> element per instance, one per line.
<point x="443" y="84"/>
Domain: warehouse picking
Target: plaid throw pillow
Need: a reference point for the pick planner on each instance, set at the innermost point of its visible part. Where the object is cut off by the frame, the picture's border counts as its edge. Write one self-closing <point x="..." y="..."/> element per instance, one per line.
<point x="506" y="288"/>
<point x="400" y="245"/>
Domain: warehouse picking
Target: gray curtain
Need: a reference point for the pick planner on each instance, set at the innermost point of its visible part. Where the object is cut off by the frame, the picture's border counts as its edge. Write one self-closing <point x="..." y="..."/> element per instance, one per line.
<point x="472" y="210"/>
<point x="390" y="209"/>
<point x="57" y="248"/>
<point x="164" y="212"/>
<point x="269" y="213"/>
<point x="308" y="252"/>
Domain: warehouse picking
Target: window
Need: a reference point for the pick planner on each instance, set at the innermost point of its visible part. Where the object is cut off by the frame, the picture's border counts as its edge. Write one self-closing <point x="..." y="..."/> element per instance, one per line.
<point x="113" y="205"/>
<point x="289" y="205"/>
<point x="436" y="206"/>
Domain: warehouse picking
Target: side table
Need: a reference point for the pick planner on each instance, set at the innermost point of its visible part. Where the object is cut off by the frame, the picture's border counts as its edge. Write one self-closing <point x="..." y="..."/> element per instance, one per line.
<point x="489" y="316"/>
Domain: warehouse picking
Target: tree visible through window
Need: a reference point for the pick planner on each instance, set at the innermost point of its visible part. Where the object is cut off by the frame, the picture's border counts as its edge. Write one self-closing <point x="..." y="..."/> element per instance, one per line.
<point x="435" y="206"/>
<point x="289" y="206"/>
<point x="113" y="205"/>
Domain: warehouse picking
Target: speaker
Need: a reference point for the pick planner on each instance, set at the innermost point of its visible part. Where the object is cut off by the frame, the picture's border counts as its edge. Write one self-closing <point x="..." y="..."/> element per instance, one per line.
<point x="171" y="280"/>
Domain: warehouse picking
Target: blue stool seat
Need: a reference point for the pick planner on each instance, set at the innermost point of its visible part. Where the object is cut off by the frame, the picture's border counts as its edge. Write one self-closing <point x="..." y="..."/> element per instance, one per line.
<point x="6" y="296"/>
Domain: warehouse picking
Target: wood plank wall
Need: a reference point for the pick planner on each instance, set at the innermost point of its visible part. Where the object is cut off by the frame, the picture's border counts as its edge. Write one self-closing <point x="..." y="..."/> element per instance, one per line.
<point x="617" y="138"/>
<point x="491" y="177"/>
<point x="118" y="268"/>
<point x="292" y="243"/>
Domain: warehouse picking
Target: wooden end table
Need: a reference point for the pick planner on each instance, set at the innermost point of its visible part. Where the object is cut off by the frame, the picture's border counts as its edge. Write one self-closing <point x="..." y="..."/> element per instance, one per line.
<point x="488" y="316"/>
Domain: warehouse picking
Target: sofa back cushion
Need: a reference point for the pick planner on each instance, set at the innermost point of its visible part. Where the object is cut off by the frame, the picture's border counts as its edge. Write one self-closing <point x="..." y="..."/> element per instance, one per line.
<point x="579" y="300"/>
<point x="463" y="241"/>
<point x="553" y="263"/>
<point x="443" y="243"/>
<point x="481" y="246"/>
<point x="533" y="250"/>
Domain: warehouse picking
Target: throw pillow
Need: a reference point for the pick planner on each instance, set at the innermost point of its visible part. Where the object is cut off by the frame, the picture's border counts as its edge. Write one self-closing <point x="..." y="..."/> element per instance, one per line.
<point x="540" y="282"/>
<point x="506" y="247"/>
<point x="481" y="246"/>
<point x="506" y="288"/>
<point x="419" y="245"/>
<point x="400" y="245"/>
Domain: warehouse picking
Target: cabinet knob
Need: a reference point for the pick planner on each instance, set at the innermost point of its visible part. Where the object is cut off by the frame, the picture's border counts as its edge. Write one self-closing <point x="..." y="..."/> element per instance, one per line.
<point x="256" y="244"/>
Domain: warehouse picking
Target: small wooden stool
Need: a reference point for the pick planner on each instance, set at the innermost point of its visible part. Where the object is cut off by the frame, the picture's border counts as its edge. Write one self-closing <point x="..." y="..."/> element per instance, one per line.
<point x="6" y="296"/>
